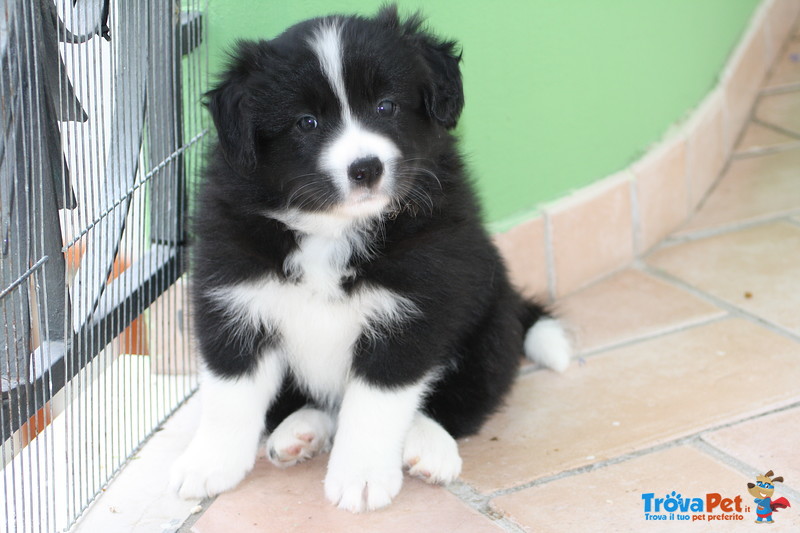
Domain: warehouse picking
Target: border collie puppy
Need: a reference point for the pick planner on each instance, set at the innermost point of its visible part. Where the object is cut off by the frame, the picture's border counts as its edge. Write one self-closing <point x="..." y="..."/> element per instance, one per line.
<point x="346" y="295"/>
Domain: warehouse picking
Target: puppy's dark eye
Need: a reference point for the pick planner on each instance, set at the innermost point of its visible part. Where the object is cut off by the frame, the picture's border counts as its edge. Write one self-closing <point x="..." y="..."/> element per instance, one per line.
<point x="307" y="123"/>
<point x="386" y="108"/>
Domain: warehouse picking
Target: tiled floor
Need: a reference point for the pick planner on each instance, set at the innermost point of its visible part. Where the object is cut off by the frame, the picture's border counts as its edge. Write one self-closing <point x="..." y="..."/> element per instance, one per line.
<point x="688" y="380"/>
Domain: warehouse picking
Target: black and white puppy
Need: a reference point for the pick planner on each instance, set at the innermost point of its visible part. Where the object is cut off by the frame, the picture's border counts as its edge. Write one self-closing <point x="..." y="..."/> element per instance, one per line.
<point x="343" y="283"/>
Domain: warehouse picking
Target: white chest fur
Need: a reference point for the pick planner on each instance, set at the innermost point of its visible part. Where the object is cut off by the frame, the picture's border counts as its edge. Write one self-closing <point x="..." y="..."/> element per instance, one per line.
<point x="317" y="322"/>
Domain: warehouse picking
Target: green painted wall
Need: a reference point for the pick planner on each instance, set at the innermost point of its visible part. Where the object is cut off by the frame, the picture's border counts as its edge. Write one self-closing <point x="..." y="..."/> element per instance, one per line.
<point x="559" y="93"/>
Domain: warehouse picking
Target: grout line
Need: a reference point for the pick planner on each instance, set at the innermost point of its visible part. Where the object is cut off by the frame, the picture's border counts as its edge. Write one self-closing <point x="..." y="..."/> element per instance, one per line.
<point x="481" y="503"/>
<point x="191" y="520"/>
<point x="726" y="306"/>
<point x="691" y="439"/>
<point x="723" y="171"/>
<point x="636" y="217"/>
<point x="770" y="59"/>
<point x="549" y="255"/>
<point x="776" y="127"/>
<point x="654" y="335"/>
<point x="781" y="89"/>
<point x="759" y="151"/>
<point x="737" y="464"/>
<point x="572" y="472"/>
<point x="725" y="229"/>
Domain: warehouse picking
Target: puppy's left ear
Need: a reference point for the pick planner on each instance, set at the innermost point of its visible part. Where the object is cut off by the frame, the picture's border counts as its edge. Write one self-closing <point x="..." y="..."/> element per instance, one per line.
<point x="444" y="93"/>
<point x="444" y="97"/>
<point x="230" y="107"/>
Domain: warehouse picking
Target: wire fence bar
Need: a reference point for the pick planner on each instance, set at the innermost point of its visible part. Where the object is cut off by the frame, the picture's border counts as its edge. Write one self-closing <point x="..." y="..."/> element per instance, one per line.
<point x="102" y="129"/>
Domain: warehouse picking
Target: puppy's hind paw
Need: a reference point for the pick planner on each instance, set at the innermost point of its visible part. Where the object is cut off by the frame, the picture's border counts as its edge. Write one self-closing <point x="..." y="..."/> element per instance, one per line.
<point x="301" y="436"/>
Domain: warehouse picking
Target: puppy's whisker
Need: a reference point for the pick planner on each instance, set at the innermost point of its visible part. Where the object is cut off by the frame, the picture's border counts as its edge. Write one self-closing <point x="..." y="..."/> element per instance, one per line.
<point x="309" y="175"/>
<point x="298" y="193"/>
<point x="426" y="172"/>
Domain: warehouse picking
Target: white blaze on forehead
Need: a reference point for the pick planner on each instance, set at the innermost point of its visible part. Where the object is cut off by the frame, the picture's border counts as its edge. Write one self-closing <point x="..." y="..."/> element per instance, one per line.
<point x="352" y="141"/>
<point x="327" y="46"/>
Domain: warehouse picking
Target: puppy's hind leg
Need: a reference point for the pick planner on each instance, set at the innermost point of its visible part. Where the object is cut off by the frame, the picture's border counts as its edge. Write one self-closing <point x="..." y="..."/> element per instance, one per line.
<point x="302" y="435"/>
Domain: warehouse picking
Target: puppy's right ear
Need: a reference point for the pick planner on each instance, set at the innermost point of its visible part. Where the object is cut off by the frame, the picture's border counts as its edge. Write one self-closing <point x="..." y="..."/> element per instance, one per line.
<point x="229" y="105"/>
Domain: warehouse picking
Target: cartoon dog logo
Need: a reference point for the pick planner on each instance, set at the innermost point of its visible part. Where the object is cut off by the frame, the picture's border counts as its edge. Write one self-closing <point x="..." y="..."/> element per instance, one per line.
<point x="763" y="489"/>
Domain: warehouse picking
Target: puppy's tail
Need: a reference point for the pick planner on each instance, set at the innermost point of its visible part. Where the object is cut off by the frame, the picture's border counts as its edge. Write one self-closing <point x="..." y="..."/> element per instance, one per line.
<point x="546" y="341"/>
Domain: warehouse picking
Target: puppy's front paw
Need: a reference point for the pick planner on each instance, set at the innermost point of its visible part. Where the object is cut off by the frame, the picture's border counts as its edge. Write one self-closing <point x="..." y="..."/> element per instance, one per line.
<point x="360" y="484"/>
<point x="302" y="435"/>
<point x="205" y="470"/>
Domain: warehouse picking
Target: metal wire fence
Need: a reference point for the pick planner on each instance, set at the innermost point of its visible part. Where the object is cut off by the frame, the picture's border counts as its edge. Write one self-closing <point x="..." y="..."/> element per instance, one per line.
<point x="99" y="102"/>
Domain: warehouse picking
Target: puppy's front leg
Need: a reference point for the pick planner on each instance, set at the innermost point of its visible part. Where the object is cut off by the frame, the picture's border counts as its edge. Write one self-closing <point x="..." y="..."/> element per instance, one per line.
<point x="365" y="469"/>
<point x="231" y="422"/>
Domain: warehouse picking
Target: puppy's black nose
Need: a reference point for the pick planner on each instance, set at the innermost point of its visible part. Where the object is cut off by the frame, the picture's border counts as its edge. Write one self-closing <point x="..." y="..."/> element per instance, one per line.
<point x="366" y="171"/>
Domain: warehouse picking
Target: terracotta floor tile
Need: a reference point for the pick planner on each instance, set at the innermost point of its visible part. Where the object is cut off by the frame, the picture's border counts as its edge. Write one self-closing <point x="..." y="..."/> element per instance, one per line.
<point x="628" y="399"/>
<point x="752" y="188"/>
<point x="758" y="137"/>
<point x="610" y="499"/>
<point x="292" y="500"/>
<point x="627" y="306"/>
<point x="782" y="110"/>
<point x="787" y="69"/>
<point x="756" y="269"/>
<point x="766" y="443"/>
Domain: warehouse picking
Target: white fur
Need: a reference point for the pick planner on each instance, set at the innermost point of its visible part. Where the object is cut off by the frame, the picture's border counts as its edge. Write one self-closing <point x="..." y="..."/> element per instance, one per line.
<point x="318" y="323"/>
<point x="327" y="46"/>
<point x="224" y="448"/>
<point x="354" y="141"/>
<point x="300" y="436"/>
<point x="547" y="343"/>
<point x="430" y="452"/>
<point x="365" y="470"/>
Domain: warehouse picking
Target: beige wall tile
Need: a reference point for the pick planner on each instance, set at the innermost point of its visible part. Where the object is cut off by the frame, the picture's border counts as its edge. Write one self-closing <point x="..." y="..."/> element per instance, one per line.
<point x="706" y="148"/>
<point x="292" y="500"/>
<point x="631" y="398"/>
<point x="591" y="233"/>
<point x="753" y="188"/>
<point x="610" y="499"/>
<point x="523" y="249"/>
<point x="756" y="269"/>
<point x="743" y="79"/>
<point x="661" y="192"/>
<point x="627" y="306"/>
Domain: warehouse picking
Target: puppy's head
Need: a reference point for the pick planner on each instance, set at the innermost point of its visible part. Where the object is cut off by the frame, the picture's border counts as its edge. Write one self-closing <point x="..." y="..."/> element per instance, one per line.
<point x="342" y="116"/>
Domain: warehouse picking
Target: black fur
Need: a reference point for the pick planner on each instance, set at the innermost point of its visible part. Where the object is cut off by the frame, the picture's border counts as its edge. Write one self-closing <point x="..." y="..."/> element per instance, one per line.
<point x="432" y="248"/>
